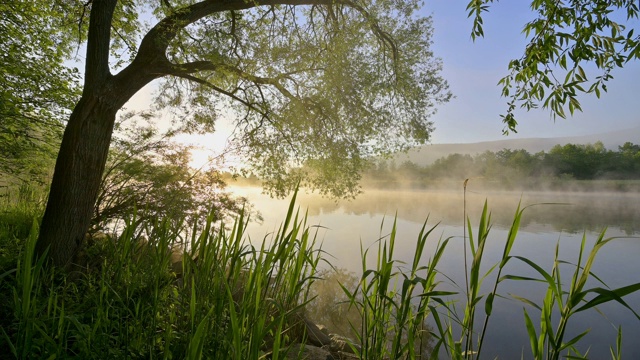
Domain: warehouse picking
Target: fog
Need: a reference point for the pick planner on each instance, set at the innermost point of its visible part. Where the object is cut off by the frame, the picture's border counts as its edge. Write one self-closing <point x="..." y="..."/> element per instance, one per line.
<point x="566" y="211"/>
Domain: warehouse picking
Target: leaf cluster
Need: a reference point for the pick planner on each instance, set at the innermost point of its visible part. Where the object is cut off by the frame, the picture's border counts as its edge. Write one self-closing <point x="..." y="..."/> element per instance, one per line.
<point x="322" y="85"/>
<point x="573" y="49"/>
<point x="37" y="89"/>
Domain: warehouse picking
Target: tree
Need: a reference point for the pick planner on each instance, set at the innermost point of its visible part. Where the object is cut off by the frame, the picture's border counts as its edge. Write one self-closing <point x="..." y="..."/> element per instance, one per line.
<point x="583" y="162"/>
<point x="148" y="171"/>
<point x="564" y="36"/>
<point x="36" y="90"/>
<point x="629" y="160"/>
<point x="453" y="166"/>
<point x="519" y="160"/>
<point x="324" y="83"/>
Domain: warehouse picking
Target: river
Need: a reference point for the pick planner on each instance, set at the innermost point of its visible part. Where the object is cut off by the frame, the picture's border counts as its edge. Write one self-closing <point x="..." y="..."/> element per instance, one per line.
<point x="555" y="218"/>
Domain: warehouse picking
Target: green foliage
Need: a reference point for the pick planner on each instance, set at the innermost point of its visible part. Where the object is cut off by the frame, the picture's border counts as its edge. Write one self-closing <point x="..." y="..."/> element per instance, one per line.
<point x="19" y="209"/>
<point x="37" y="89"/>
<point x="582" y="161"/>
<point x="150" y="171"/>
<point x="218" y="297"/>
<point x="394" y="303"/>
<point x="564" y="39"/>
<point x="314" y="89"/>
<point x="629" y="157"/>
<point x="550" y="343"/>
<point x="454" y="166"/>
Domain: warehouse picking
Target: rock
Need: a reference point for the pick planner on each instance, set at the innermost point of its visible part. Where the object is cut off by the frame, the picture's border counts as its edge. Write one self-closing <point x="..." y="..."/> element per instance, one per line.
<point x="324" y="329"/>
<point x="346" y="356"/>
<point x="308" y="352"/>
<point x="342" y="344"/>
<point x="315" y="336"/>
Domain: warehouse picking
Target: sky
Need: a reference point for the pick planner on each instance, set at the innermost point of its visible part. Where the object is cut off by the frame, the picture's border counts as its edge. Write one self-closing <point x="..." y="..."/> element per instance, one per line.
<point x="473" y="70"/>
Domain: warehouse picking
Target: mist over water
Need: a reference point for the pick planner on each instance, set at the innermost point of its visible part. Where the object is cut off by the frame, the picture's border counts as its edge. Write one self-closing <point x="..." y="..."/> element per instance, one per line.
<point x="569" y="212"/>
<point x="556" y="218"/>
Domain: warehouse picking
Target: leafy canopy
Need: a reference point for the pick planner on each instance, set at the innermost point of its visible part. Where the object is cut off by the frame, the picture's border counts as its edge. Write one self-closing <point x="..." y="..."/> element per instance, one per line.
<point x="37" y="90"/>
<point x="314" y="87"/>
<point x="566" y="39"/>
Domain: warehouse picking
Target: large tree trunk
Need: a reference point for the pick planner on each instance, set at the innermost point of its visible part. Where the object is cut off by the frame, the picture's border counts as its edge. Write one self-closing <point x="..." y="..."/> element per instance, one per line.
<point x="81" y="162"/>
<point x="86" y="139"/>
<point x="76" y="179"/>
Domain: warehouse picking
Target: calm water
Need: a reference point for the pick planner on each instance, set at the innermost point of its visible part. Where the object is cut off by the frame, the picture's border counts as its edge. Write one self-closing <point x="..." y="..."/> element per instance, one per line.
<point x="347" y="224"/>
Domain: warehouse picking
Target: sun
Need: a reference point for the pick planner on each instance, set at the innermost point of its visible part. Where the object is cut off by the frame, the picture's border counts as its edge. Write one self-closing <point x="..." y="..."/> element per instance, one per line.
<point x="211" y="150"/>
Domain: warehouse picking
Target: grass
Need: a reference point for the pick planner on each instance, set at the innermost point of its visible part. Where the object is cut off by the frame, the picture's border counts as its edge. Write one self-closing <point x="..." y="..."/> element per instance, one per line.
<point x="230" y="299"/>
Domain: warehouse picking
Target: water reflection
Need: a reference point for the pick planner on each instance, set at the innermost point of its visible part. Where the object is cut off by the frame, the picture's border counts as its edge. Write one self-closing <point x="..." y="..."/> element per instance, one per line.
<point x="347" y="225"/>
<point x="571" y="212"/>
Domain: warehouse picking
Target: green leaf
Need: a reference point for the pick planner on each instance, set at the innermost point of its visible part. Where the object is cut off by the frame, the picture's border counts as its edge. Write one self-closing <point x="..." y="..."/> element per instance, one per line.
<point x="606" y="295"/>
<point x="488" y="305"/>
<point x="574" y="340"/>
<point x="533" y="337"/>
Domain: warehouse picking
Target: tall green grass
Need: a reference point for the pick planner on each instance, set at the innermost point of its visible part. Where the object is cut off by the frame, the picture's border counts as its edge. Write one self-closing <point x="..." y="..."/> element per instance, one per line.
<point x="20" y="206"/>
<point x="229" y="299"/>
<point x="395" y="300"/>
<point x="232" y="298"/>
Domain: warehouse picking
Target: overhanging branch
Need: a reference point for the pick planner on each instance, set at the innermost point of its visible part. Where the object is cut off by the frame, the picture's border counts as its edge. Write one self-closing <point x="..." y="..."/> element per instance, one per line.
<point x="193" y="67"/>
<point x="264" y="114"/>
<point x="158" y="38"/>
<point x="213" y="87"/>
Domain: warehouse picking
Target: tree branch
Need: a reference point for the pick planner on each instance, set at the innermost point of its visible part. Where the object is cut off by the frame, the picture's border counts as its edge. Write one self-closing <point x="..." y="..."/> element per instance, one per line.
<point x="205" y="83"/>
<point x="384" y="37"/>
<point x="158" y="38"/>
<point x="99" y="38"/>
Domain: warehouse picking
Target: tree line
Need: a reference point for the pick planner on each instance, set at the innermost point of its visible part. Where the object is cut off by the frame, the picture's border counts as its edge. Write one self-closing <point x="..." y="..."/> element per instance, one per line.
<point x="511" y="167"/>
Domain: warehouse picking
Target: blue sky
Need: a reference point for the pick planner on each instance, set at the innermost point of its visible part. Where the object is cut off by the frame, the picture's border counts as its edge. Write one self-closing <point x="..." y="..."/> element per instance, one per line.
<point x="474" y="68"/>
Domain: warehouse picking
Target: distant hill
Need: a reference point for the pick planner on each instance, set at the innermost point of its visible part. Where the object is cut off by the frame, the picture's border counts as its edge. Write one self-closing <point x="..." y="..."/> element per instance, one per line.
<point x="427" y="154"/>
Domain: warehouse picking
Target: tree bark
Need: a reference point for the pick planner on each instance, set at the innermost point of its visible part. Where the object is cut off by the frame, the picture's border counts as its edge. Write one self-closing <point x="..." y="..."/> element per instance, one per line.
<point x="76" y="179"/>
<point x="85" y="143"/>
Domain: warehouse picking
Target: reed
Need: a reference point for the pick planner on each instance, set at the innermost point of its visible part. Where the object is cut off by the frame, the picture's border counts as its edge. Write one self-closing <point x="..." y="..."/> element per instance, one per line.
<point x="394" y="301"/>
<point x="232" y="297"/>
